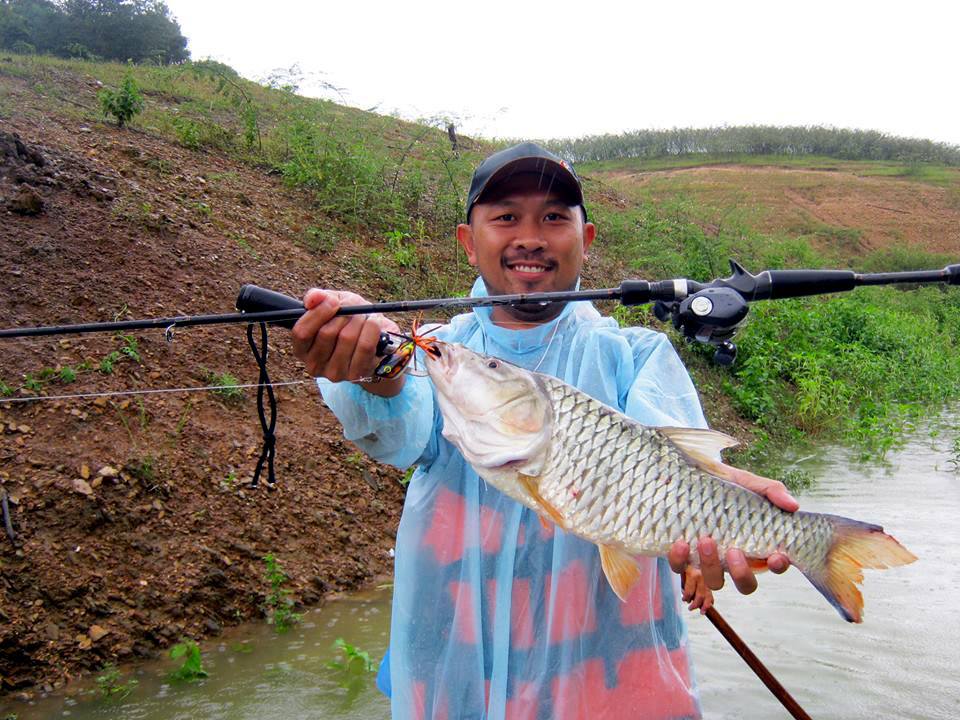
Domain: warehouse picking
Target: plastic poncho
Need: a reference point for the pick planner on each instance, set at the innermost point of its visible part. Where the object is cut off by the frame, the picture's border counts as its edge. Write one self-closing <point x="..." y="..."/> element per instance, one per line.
<point x="494" y="616"/>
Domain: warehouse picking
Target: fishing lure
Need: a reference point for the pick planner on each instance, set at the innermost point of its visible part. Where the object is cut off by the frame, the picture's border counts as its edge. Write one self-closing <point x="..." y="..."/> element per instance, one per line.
<point x="399" y="349"/>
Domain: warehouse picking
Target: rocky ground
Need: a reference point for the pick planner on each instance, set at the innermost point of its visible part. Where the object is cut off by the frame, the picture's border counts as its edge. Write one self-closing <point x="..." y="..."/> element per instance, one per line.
<point x="132" y="518"/>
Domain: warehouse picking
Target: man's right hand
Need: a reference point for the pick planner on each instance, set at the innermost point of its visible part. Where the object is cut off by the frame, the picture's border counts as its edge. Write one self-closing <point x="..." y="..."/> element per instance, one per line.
<point x="341" y="347"/>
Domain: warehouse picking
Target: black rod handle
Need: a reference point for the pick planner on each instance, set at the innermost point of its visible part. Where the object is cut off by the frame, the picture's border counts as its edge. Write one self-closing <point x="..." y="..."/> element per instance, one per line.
<point x="253" y="298"/>
<point x="797" y="283"/>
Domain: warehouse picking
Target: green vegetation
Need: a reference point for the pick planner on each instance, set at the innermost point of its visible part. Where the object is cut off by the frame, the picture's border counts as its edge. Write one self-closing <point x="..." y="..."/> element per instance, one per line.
<point x="278" y="603"/>
<point x="110" y="685"/>
<point x="122" y="104"/>
<point x="191" y="669"/>
<point x="141" y="31"/>
<point x="351" y="659"/>
<point x="756" y="140"/>
<point x="224" y="384"/>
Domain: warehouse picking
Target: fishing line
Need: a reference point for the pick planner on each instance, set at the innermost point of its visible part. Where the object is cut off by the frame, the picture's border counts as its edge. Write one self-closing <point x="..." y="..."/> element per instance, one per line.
<point x="150" y="391"/>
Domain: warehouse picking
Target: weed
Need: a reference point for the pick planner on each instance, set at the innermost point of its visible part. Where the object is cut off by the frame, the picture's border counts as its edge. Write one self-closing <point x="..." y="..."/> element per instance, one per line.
<point x="187" y="132"/>
<point x="182" y="422"/>
<point x="203" y="209"/>
<point x="144" y="470"/>
<point x="192" y="668"/>
<point x="123" y="104"/>
<point x="224" y="384"/>
<point x="130" y="347"/>
<point x="955" y="455"/>
<point x="67" y="374"/>
<point x="33" y="384"/>
<point x="408" y="475"/>
<point x="404" y="252"/>
<point x="6" y="390"/>
<point x="106" y="365"/>
<point x="352" y="660"/>
<point x="355" y="459"/>
<point x="228" y="482"/>
<point x="319" y="240"/>
<point x="129" y="350"/>
<point x="110" y="686"/>
<point x="278" y="603"/>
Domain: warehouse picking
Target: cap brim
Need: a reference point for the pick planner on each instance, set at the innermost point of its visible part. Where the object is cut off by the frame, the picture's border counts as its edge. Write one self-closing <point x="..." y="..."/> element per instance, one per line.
<point x="554" y="177"/>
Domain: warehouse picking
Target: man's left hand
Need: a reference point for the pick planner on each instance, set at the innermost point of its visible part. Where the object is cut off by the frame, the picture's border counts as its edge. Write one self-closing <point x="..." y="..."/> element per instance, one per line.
<point x="741" y="573"/>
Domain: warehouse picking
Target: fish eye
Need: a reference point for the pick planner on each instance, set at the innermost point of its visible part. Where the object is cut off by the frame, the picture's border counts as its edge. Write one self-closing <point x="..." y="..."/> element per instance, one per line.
<point x="493" y="364"/>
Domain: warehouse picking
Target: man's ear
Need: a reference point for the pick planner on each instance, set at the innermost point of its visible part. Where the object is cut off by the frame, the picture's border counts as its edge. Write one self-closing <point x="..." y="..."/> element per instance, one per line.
<point x="465" y="238"/>
<point x="589" y="235"/>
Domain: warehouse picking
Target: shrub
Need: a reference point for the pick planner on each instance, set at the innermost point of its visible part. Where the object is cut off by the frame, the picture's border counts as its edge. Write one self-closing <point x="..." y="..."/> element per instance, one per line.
<point x="122" y="104"/>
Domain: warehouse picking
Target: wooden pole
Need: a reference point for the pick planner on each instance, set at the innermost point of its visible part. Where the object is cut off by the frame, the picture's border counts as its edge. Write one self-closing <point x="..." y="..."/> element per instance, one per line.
<point x="766" y="677"/>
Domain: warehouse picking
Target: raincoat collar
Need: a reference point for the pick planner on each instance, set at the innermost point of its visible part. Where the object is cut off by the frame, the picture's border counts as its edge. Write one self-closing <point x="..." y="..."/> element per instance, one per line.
<point x="517" y="342"/>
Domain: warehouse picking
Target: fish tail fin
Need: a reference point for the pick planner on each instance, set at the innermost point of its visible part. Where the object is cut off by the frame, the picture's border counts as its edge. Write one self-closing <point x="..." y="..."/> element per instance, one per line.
<point x="855" y="545"/>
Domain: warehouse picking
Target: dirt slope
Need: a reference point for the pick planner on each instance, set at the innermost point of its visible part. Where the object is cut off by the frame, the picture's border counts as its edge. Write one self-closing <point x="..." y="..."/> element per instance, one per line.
<point x="875" y="211"/>
<point x="100" y="223"/>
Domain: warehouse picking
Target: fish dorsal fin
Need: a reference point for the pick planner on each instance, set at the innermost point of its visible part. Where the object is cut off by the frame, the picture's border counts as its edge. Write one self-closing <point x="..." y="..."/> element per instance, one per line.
<point x="698" y="442"/>
<point x="621" y="570"/>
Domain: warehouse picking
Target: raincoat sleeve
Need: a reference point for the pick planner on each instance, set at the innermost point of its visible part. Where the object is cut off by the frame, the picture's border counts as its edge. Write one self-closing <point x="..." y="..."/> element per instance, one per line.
<point x="395" y="430"/>
<point x="661" y="393"/>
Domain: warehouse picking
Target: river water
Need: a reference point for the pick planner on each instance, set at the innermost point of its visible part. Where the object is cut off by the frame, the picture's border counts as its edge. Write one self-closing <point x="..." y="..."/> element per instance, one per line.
<point x="902" y="662"/>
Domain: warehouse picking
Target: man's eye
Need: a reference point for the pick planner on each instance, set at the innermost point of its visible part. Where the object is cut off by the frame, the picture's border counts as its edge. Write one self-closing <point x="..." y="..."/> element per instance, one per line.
<point x="506" y="217"/>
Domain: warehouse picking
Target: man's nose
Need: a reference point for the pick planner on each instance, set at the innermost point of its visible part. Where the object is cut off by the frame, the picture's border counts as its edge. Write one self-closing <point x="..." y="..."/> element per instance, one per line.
<point x="529" y="236"/>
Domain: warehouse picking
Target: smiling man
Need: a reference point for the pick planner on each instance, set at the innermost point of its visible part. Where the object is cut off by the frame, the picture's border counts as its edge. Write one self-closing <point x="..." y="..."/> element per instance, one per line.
<point x="496" y="615"/>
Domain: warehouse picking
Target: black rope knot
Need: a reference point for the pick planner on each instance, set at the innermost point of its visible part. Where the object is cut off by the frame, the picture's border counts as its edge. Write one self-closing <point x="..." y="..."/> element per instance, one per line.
<point x="269" y="451"/>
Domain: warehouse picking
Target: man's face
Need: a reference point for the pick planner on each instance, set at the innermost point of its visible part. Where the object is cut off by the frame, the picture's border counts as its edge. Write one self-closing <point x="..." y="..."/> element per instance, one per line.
<point x="524" y="239"/>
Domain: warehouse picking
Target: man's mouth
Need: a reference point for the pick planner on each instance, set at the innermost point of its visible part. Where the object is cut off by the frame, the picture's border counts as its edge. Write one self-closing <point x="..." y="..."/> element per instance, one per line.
<point x="528" y="267"/>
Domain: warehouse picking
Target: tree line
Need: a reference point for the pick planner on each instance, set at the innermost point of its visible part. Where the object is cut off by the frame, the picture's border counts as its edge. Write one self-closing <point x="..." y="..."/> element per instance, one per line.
<point x="756" y="140"/>
<point x="137" y="30"/>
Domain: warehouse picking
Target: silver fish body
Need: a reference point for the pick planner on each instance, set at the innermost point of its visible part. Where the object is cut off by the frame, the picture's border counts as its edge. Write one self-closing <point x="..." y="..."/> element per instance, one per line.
<point x="633" y="489"/>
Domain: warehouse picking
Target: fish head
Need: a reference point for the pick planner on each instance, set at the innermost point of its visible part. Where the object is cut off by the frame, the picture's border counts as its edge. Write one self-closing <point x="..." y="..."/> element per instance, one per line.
<point x="497" y="414"/>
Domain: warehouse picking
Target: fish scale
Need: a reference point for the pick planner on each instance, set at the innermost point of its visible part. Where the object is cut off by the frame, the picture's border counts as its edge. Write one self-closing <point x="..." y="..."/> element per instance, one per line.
<point x="666" y="482"/>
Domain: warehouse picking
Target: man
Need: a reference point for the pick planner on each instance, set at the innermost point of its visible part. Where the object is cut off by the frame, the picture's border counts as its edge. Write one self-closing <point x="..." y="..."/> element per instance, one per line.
<point x="494" y="615"/>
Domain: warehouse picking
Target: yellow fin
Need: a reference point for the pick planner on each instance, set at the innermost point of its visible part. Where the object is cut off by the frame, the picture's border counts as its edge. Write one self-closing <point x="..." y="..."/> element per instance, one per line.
<point x="530" y="483"/>
<point x="855" y="545"/>
<point x="621" y="570"/>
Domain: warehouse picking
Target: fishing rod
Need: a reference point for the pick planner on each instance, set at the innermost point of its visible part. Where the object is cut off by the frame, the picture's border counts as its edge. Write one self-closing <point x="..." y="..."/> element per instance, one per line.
<point x="706" y="312"/>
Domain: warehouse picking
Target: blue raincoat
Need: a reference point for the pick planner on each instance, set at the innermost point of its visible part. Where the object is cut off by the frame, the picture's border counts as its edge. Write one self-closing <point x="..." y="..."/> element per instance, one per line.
<point x="494" y="616"/>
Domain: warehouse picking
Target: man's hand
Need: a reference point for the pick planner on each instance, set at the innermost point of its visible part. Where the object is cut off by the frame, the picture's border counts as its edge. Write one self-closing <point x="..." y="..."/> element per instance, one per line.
<point x="741" y="573"/>
<point x="341" y="347"/>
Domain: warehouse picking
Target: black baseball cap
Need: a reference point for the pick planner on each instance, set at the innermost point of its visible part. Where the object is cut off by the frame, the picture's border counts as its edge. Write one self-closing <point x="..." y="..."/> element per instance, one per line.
<point x="555" y="173"/>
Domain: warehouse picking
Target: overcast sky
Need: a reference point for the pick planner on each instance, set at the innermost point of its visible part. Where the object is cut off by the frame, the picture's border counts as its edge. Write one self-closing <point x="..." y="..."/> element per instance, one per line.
<point x="542" y="70"/>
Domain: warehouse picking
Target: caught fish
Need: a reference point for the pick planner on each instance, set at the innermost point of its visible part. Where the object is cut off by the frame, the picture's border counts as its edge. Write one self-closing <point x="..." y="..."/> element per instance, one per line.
<point x="632" y="489"/>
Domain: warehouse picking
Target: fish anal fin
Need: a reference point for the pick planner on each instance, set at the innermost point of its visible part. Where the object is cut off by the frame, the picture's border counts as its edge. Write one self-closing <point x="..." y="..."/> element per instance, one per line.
<point x="620" y="569"/>
<point x="757" y="564"/>
<point x="530" y="484"/>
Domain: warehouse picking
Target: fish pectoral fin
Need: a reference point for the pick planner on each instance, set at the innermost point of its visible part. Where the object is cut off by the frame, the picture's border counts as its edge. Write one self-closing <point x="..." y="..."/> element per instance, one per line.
<point x="699" y="443"/>
<point x="621" y="570"/>
<point x="530" y="483"/>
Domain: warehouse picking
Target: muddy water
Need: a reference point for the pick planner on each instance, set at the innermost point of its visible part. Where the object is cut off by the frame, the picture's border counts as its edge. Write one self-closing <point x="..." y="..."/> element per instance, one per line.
<point x="900" y="663"/>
